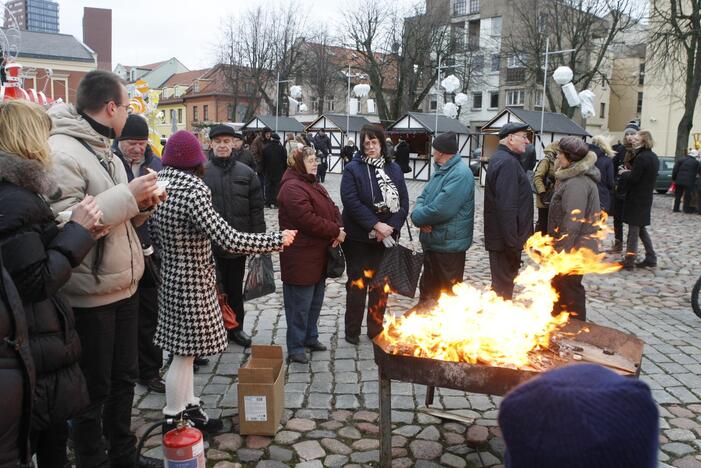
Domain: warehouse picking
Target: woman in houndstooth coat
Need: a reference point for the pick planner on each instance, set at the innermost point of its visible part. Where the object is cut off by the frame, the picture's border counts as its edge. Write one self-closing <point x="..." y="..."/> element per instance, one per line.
<point x="189" y="318"/>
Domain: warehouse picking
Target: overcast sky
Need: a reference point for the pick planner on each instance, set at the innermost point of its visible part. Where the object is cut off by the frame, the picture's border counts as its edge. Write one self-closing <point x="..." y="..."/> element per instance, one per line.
<point x="154" y="30"/>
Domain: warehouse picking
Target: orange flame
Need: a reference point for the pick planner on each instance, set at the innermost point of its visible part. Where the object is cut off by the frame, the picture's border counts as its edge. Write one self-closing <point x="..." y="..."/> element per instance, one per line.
<point x="477" y="326"/>
<point x="368" y="273"/>
<point x="359" y="283"/>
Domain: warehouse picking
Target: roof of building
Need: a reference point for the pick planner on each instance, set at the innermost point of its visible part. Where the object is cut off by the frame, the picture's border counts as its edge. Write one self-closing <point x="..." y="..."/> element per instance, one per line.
<point x="284" y="124"/>
<point x="41" y="45"/>
<point x="185" y="78"/>
<point x="150" y="66"/>
<point x="428" y="122"/>
<point x="355" y="122"/>
<point x="553" y="122"/>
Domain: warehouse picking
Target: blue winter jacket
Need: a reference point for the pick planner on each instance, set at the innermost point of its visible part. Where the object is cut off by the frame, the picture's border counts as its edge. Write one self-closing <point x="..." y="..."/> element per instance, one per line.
<point x="358" y="185"/>
<point x="447" y="204"/>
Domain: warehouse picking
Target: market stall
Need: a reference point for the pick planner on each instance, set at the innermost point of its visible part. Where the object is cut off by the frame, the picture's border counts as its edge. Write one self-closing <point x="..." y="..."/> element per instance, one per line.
<point x="339" y="128"/>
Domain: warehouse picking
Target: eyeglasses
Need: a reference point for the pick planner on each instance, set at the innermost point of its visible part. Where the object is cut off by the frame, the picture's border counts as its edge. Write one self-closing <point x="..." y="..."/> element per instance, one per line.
<point x="127" y="107"/>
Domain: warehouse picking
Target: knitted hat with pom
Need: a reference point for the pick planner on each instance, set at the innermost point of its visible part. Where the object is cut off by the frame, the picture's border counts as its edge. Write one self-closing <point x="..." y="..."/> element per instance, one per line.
<point x="183" y="151"/>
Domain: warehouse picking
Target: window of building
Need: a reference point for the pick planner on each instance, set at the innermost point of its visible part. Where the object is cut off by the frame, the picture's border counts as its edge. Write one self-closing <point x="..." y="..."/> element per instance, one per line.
<point x="180" y="116"/>
<point x="196" y="86"/>
<point x="514" y="97"/>
<point x="205" y="113"/>
<point x="474" y="6"/>
<point x="314" y="101"/>
<point x="230" y="112"/>
<point x="602" y="110"/>
<point x="496" y="62"/>
<point x="496" y="26"/>
<point x="494" y="99"/>
<point x="195" y="114"/>
<point x="330" y="104"/>
<point x="457" y="35"/>
<point x="476" y="101"/>
<point x="639" y="108"/>
<point x="433" y="103"/>
<point x="478" y="63"/>
<point x="515" y="61"/>
<point x="459" y="7"/>
<point x="641" y="74"/>
<point x="473" y="34"/>
<point x="538" y="102"/>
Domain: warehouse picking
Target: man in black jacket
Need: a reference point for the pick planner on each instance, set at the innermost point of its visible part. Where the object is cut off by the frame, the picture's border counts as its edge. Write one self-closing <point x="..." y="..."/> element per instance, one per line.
<point x="274" y="165"/>
<point x="508" y="208"/>
<point x="237" y="197"/>
<point x="684" y="176"/>
<point x="322" y="143"/>
<point x="133" y="150"/>
<point x="225" y="142"/>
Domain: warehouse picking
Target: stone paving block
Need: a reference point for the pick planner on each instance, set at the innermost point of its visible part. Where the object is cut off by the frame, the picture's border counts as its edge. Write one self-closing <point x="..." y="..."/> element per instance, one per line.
<point x="342" y="365"/>
<point x="346" y="402"/>
<point x="294" y="399"/>
<point x="309" y="450"/>
<point x="280" y="454"/>
<point x="335" y="461"/>
<point x="319" y="400"/>
<point x="365" y="457"/>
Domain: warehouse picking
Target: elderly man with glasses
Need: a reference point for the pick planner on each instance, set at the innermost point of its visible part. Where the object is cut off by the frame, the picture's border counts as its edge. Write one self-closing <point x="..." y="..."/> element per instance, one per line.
<point x="508" y="208"/>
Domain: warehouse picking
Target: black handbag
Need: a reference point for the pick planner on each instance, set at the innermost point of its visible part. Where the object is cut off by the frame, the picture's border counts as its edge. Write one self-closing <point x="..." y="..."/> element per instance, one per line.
<point x="261" y="279"/>
<point x="400" y="269"/>
<point x="336" y="263"/>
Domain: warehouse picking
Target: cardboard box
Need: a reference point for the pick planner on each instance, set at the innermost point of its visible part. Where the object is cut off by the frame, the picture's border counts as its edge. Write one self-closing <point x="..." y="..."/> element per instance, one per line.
<point x="261" y="391"/>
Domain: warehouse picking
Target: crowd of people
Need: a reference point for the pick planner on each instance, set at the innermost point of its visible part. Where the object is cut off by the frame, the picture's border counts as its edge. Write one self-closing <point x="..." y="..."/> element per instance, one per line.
<point x="112" y="256"/>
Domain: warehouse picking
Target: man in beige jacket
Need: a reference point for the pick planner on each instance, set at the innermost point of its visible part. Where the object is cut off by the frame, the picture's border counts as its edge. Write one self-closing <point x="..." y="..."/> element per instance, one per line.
<point x="103" y="289"/>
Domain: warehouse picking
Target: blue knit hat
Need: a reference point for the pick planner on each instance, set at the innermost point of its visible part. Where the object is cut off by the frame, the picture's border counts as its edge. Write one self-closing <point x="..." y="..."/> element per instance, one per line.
<point x="580" y="416"/>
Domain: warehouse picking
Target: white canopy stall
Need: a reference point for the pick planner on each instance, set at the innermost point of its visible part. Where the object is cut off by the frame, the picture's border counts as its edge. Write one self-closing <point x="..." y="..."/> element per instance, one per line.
<point x="285" y="125"/>
<point x="335" y="126"/>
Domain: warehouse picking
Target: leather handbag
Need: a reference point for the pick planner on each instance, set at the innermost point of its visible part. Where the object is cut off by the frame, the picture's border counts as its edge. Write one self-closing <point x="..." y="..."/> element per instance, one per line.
<point x="336" y="263"/>
<point x="261" y="279"/>
<point x="400" y="268"/>
<point x="226" y="311"/>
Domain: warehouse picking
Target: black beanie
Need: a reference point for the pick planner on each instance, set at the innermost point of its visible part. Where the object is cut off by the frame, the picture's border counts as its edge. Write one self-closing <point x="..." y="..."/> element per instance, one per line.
<point x="446" y="143"/>
<point x="136" y="128"/>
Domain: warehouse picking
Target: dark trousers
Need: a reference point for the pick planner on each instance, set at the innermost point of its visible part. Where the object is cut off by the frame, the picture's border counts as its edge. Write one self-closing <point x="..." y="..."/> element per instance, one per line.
<point x="685" y="192"/>
<point x="262" y="180"/>
<point x="542" y="224"/>
<point x="108" y="335"/>
<point x="321" y="169"/>
<point x="361" y="256"/>
<point x="504" y="265"/>
<point x="50" y="445"/>
<point x="617" y="213"/>
<point x="271" y="191"/>
<point x="302" y="310"/>
<point x="230" y="272"/>
<point x="635" y="233"/>
<point x="150" y="355"/>
<point x="441" y="271"/>
<point x="572" y="297"/>
<point x="698" y="200"/>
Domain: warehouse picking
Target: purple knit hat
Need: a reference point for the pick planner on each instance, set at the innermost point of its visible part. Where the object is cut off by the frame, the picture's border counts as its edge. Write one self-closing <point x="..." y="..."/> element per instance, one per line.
<point x="183" y="150"/>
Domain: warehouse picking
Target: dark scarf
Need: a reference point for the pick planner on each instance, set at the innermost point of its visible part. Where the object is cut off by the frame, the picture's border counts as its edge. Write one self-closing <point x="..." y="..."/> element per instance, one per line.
<point x="103" y="130"/>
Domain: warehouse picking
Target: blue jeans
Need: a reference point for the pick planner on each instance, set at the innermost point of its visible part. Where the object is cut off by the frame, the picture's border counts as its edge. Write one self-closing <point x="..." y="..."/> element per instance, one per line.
<point x="302" y="309"/>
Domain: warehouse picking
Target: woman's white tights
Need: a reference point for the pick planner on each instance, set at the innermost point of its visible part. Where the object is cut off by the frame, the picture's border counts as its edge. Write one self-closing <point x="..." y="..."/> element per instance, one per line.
<point x="180" y="385"/>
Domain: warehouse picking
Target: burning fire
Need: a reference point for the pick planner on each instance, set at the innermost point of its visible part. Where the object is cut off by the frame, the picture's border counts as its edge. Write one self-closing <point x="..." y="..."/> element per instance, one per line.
<point x="477" y="326"/>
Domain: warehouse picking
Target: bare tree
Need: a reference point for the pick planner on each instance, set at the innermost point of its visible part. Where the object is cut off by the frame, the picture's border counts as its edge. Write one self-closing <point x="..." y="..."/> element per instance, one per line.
<point x="590" y="27"/>
<point x="320" y="67"/>
<point x="675" y="48"/>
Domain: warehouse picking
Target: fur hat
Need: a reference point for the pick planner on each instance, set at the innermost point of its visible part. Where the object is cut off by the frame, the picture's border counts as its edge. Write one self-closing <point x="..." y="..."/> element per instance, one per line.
<point x="183" y="151"/>
<point x="136" y="128"/>
<point x="574" y="148"/>
<point x="446" y="143"/>
<point x="579" y="416"/>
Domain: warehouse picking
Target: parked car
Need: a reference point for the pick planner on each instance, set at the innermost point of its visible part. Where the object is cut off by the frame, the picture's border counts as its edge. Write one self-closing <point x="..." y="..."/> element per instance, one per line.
<point x="664" y="176"/>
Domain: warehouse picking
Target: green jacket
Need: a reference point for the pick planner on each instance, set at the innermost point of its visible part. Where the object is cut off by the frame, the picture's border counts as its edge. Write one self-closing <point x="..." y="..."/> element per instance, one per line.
<point x="447" y="204"/>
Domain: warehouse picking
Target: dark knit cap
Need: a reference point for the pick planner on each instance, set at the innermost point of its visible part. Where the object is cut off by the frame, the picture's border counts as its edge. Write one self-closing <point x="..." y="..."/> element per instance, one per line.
<point x="183" y="151"/>
<point x="632" y="127"/>
<point x="446" y="143"/>
<point x="575" y="148"/>
<point x="580" y="416"/>
<point x="136" y="128"/>
<point x="275" y="136"/>
<point x="512" y="127"/>
<point x="221" y="130"/>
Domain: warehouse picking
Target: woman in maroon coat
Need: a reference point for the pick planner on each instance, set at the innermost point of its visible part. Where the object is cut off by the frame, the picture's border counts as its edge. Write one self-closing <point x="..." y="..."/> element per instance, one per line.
<point x="305" y="205"/>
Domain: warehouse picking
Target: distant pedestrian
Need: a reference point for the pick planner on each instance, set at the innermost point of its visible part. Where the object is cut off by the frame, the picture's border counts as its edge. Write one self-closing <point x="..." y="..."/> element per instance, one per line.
<point x="390" y="148"/>
<point x="402" y="155"/>
<point x="695" y="153"/>
<point x="322" y="143"/>
<point x="684" y="177"/>
<point x="348" y="151"/>
<point x="604" y="162"/>
<point x="445" y="212"/>
<point x="274" y="165"/>
<point x="508" y="208"/>
<point x="544" y="184"/>
<point x="624" y="152"/>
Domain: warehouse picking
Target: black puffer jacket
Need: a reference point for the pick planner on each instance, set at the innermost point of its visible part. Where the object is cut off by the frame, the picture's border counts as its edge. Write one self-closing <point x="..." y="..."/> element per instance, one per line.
<point x="16" y="375"/>
<point x="685" y="170"/>
<point x="236" y="196"/>
<point x="40" y="257"/>
<point x="242" y="155"/>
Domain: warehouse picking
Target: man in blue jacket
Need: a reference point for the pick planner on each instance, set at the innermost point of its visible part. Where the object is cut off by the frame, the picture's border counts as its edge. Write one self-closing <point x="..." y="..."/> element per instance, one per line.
<point x="508" y="208"/>
<point x="445" y="213"/>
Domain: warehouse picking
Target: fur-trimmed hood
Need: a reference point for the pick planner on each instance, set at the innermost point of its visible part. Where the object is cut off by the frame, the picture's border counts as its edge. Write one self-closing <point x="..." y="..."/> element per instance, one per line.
<point x="26" y="173"/>
<point x="586" y="166"/>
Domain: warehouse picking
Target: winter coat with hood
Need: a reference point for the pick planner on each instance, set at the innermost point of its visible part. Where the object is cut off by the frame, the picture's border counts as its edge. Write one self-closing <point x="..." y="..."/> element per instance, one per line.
<point x="305" y="205"/>
<point x="576" y="198"/>
<point x="605" y="184"/>
<point x="639" y="183"/>
<point x="685" y="170"/>
<point x="112" y="270"/>
<point x="39" y="257"/>
<point x="236" y="196"/>
<point x="508" y="203"/>
<point x="322" y="143"/>
<point x="359" y="193"/>
<point x="447" y="204"/>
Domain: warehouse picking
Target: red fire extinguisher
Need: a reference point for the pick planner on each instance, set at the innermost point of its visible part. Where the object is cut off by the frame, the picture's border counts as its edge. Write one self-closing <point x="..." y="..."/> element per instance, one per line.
<point x="183" y="447"/>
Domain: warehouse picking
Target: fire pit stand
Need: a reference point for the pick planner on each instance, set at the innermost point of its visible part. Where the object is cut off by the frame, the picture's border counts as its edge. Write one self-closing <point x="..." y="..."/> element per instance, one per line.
<point x="589" y="343"/>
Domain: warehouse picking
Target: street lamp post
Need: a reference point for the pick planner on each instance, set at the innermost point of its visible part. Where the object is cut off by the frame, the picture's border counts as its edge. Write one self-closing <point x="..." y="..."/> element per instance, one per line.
<point x="438" y="90"/>
<point x="277" y="96"/>
<point x="545" y="81"/>
<point x="350" y="75"/>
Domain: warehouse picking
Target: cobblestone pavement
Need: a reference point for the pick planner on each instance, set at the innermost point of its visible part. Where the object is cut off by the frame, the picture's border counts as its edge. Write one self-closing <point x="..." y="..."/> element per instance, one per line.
<point x="332" y="403"/>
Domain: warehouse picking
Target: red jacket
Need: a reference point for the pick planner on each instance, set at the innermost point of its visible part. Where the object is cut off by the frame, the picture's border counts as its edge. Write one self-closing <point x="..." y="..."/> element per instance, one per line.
<point x="305" y="205"/>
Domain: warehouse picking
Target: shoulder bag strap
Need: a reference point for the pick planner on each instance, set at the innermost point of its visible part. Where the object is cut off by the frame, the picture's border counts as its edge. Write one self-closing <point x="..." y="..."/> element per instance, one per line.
<point x="99" y="159"/>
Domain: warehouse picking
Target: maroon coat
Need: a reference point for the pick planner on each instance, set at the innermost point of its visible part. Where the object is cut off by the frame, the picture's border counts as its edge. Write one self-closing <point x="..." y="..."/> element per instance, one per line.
<point x="305" y="205"/>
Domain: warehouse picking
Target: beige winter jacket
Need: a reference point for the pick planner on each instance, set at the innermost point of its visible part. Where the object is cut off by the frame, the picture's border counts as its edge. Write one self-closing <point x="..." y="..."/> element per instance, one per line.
<point x="79" y="173"/>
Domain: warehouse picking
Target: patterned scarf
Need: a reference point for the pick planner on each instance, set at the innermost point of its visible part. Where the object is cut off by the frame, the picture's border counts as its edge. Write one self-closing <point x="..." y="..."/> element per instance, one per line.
<point x="390" y="195"/>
